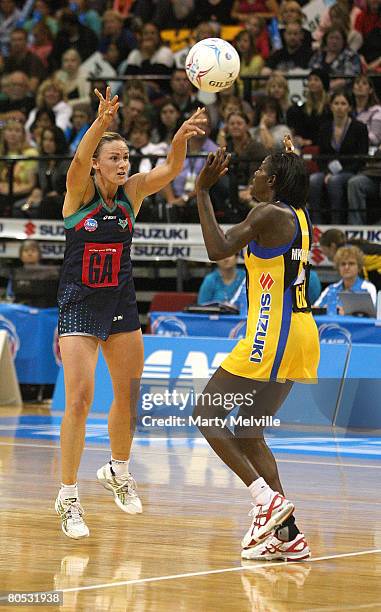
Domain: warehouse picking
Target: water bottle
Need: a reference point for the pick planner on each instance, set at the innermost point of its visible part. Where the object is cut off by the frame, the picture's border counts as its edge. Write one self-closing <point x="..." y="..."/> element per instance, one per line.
<point x="276" y="39"/>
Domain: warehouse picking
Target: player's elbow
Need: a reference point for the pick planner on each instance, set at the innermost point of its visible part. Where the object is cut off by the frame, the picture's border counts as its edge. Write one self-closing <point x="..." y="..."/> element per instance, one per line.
<point x="215" y="253"/>
<point x="223" y="249"/>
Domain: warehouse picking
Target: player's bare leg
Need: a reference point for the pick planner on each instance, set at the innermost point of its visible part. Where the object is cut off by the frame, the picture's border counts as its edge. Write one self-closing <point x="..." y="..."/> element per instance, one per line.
<point x="125" y="359"/>
<point x="268" y="399"/>
<point x="79" y="356"/>
<point x="271" y="508"/>
<point x="287" y="543"/>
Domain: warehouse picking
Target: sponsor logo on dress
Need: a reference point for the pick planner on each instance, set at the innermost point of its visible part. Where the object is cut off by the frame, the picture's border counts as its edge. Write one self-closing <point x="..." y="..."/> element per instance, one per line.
<point x="109" y="217"/>
<point x="91" y="225"/>
<point x="266" y="281"/>
<point x="123" y="224"/>
<point x="101" y="264"/>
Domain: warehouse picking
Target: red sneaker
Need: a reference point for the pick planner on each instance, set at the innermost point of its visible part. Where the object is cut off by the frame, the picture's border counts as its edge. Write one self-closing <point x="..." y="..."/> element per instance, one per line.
<point x="273" y="549"/>
<point x="266" y="519"/>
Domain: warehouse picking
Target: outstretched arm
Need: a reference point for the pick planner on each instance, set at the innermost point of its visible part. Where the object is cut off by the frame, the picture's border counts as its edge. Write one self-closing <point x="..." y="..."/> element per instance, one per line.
<point x="218" y="243"/>
<point x="159" y="177"/>
<point x="80" y="167"/>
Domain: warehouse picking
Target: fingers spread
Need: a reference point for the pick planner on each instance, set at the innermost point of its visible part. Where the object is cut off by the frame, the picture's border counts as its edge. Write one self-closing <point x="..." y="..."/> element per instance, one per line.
<point x="199" y="111"/>
<point x="215" y="163"/>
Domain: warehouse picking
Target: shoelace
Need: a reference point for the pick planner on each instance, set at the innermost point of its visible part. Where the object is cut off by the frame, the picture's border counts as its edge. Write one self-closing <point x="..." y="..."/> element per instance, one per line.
<point x="259" y="514"/>
<point x="73" y="511"/>
<point x="256" y="509"/>
<point x="127" y="486"/>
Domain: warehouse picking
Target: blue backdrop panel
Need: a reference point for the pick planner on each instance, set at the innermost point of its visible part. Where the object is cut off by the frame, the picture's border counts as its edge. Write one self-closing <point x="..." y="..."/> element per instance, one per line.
<point x="177" y="361"/>
<point x="33" y="341"/>
<point x="362" y="330"/>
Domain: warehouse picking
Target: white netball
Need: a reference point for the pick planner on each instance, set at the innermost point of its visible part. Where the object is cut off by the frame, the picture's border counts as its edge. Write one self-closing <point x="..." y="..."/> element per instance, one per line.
<point x="212" y="65"/>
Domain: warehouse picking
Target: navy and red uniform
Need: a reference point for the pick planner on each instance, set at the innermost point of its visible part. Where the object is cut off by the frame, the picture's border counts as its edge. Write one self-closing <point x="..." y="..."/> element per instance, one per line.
<point x="96" y="296"/>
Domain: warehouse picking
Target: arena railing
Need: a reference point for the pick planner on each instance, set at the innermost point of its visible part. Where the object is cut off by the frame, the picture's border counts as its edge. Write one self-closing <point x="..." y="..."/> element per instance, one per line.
<point x="247" y="80"/>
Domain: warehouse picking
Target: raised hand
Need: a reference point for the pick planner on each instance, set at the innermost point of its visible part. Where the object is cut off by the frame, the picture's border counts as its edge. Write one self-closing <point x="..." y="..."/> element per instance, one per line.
<point x="191" y="127"/>
<point x="107" y="108"/>
<point x="288" y="144"/>
<point x="216" y="166"/>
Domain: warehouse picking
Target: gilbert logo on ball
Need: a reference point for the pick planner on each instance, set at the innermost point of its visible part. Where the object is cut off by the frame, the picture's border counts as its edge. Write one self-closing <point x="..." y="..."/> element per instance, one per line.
<point x="212" y="65"/>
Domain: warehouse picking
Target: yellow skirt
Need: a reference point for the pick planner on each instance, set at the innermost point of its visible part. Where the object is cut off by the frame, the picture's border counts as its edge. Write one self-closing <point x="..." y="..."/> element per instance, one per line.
<point x="298" y="360"/>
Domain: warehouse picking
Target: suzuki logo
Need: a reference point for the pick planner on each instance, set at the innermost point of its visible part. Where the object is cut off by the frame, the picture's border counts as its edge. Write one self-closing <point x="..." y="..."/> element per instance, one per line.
<point x="266" y="281"/>
<point x="30" y="228"/>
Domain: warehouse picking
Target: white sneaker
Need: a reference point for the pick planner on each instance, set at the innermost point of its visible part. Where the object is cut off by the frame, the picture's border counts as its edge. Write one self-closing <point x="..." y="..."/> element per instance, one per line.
<point x="266" y="519"/>
<point x="273" y="549"/>
<point x="70" y="512"/>
<point x="123" y="488"/>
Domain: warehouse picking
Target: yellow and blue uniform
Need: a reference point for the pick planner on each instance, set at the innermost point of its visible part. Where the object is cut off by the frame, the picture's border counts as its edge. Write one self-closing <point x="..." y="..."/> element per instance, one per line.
<point x="282" y="339"/>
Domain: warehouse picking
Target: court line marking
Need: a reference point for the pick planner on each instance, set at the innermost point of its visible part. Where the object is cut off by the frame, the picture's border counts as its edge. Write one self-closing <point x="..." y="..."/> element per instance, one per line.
<point x="167" y="452"/>
<point x="349" y="607"/>
<point x="240" y="568"/>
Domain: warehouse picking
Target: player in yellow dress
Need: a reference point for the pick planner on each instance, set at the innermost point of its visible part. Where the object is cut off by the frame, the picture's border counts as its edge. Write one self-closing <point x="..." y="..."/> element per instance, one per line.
<point x="281" y="344"/>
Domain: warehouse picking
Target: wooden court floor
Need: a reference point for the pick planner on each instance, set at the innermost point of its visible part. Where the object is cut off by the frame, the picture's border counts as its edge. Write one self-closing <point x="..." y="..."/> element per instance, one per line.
<point x="182" y="553"/>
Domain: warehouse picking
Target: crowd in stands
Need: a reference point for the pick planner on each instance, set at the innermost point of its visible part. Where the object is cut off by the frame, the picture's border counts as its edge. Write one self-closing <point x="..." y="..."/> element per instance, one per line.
<point x="49" y="50"/>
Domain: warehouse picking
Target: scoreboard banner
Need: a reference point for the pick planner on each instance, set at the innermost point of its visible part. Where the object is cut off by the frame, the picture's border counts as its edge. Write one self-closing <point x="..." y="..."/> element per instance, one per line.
<point x="157" y="241"/>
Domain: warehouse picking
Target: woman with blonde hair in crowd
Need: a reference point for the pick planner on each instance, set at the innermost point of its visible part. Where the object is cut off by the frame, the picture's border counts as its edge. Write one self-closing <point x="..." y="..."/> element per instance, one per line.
<point x="349" y="262"/>
<point x="305" y="120"/>
<point x="14" y="143"/>
<point x="277" y="87"/>
<point x="291" y="12"/>
<point x="52" y="94"/>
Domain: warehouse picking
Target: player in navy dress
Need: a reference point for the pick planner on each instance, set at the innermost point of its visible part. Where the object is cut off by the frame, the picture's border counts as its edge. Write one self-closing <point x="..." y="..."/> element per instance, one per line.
<point x="97" y="304"/>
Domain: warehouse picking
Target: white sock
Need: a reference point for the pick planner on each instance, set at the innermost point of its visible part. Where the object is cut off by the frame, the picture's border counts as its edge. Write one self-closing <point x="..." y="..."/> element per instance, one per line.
<point x="120" y="468"/>
<point x="261" y="492"/>
<point x="68" y="491"/>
